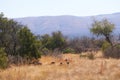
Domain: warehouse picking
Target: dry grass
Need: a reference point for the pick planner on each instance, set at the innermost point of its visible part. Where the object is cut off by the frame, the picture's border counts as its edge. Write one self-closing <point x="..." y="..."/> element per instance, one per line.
<point x="78" y="69"/>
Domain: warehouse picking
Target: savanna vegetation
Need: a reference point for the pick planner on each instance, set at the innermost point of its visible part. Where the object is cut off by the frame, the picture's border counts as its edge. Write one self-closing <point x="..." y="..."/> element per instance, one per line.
<point x="20" y="47"/>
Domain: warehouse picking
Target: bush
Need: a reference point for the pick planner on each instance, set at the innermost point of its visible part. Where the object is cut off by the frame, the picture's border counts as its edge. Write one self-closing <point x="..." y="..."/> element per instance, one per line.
<point x="29" y="45"/>
<point x="18" y="60"/>
<point x="105" y="45"/>
<point x="112" y="52"/>
<point x="51" y="42"/>
<point x="3" y="59"/>
<point x="83" y="56"/>
<point x="68" y="50"/>
<point x="91" y="56"/>
<point x="45" y="51"/>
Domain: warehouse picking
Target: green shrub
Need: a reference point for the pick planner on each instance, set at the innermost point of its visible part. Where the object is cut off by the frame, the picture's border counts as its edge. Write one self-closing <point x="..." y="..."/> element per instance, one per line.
<point x="45" y="51"/>
<point x="3" y="59"/>
<point x="29" y="45"/>
<point x="91" y="56"/>
<point x="112" y="52"/>
<point x="105" y="45"/>
<point x="68" y="50"/>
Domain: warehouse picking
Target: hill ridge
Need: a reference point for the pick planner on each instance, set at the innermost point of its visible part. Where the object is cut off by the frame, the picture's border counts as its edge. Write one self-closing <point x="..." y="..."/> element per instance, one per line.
<point x="68" y="24"/>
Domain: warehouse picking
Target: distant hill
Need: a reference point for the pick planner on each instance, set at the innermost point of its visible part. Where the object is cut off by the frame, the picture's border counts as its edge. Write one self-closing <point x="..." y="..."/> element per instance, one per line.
<point x="69" y="25"/>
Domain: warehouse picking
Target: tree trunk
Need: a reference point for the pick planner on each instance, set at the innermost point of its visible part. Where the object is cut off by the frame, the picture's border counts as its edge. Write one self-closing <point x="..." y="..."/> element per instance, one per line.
<point x="108" y="40"/>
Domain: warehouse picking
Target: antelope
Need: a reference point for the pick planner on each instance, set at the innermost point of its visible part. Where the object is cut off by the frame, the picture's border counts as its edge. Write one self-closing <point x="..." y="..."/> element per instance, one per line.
<point x="65" y="61"/>
<point x="61" y="63"/>
<point x="52" y="63"/>
<point x="68" y="61"/>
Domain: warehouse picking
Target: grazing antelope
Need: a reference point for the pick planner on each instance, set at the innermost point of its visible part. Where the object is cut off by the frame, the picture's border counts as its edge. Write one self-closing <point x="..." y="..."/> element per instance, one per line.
<point x="52" y="63"/>
<point x="61" y="63"/>
<point x="67" y="62"/>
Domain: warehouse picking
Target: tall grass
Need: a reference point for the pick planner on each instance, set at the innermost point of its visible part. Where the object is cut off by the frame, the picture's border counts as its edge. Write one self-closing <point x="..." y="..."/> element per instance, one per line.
<point x="78" y="69"/>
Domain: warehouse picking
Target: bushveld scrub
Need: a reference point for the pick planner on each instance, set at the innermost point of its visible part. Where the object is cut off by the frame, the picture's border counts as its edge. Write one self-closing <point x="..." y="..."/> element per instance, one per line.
<point x="23" y="46"/>
<point x="90" y="56"/>
<point x="78" y="69"/>
<point x="112" y="52"/>
<point x="69" y="50"/>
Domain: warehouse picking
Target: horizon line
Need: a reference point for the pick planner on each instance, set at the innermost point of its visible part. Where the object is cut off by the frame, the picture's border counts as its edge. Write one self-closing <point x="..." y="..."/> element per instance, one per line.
<point x="64" y="15"/>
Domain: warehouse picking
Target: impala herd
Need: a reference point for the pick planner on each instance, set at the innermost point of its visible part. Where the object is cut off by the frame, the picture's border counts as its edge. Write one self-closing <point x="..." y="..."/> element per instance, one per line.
<point x="60" y="62"/>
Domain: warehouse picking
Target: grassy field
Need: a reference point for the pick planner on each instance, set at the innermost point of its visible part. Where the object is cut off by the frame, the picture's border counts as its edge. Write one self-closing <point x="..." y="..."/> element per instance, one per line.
<point x="77" y="69"/>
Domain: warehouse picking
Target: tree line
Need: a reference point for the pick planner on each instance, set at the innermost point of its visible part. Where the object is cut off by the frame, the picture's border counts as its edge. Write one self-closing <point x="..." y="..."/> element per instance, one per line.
<point x="16" y="41"/>
<point x="19" y="45"/>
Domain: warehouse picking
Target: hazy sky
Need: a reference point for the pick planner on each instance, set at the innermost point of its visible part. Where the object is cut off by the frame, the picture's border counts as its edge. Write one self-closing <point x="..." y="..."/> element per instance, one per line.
<point x="25" y="8"/>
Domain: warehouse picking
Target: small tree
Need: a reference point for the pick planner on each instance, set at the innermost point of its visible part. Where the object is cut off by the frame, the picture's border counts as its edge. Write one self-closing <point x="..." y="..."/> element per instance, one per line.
<point x="46" y="41"/>
<point x="58" y="40"/>
<point x="8" y="35"/>
<point x="103" y="28"/>
<point x="55" y="41"/>
<point x="29" y="46"/>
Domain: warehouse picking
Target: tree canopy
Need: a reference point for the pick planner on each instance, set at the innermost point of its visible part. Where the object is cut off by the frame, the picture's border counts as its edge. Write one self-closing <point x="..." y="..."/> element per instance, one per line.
<point x="29" y="45"/>
<point x="103" y="28"/>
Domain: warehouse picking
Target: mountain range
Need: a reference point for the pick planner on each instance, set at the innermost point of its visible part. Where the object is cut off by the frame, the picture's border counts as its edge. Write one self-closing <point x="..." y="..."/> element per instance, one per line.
<point x="69" y="25"/>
